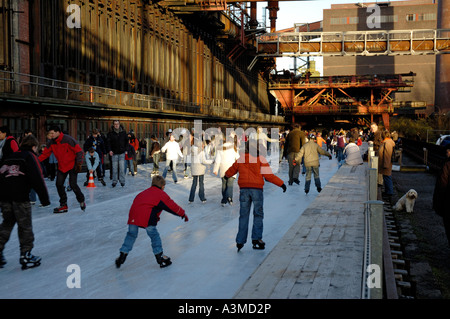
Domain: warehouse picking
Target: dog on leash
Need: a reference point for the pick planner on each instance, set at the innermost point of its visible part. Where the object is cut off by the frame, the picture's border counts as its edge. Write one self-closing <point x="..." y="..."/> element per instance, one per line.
<point x="406" y="202"/>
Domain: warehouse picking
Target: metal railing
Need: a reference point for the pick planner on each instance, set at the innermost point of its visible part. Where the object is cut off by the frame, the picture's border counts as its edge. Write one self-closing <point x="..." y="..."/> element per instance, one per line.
<point x="380" y="42"/>
<point x="28" y="86"/>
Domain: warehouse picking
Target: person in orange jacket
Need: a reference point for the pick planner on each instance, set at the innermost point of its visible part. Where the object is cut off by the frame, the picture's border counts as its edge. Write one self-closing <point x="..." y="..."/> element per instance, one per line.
<point x="144" y="213"/>
<point x="253" y="169"/>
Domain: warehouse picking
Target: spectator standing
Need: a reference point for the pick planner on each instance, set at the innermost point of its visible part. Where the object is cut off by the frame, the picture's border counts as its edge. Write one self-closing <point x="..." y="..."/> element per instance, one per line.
<point x="116" y="146"/>
<point x="385" y="152"/>
<point x="143" y="150"/>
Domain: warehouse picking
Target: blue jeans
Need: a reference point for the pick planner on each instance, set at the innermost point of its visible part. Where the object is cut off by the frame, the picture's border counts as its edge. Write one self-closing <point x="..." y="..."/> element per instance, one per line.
<point x="339" y="153"/>
<point x="174" y="169"/>
<point x="309" y="171"/>
<point x="118" y="168"/>
<point x="132" y="234"/>
<point x="227" y="189"/>
<point x="130" y="165"/>
<point x="388" y="185"/>
<point x="201" y="188"/>
<point x="246" y="198"/>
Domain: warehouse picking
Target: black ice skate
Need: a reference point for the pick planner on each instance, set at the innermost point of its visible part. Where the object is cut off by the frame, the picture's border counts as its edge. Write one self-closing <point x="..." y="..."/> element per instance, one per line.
<point x="61" y="209"/>
<point x="163" y="260"/>
<point x="239" y="246"/>
<point x="258" y="244"/>
<point x="83" y="206"/>
<point x="121" y="259"/>
<point x="2" y="260"/>
<point x="27" y="260"/>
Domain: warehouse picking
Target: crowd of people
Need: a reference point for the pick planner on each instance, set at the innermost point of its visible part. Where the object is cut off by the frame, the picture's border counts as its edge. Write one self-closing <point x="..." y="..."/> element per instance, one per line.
<point x="226" y="156"/>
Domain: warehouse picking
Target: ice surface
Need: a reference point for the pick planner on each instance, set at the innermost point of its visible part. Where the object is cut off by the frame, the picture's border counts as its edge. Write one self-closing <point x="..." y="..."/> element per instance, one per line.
<point x="205" y="260"/>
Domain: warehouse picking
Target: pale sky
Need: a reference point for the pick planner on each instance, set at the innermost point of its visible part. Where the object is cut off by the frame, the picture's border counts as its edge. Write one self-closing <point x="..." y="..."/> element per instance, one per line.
<point x="302" y="12"/>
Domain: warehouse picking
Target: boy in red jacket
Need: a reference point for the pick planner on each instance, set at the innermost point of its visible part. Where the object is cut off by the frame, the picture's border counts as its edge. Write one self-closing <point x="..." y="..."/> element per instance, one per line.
<point x="144" y="213"/>
<point x="253" y="170"/>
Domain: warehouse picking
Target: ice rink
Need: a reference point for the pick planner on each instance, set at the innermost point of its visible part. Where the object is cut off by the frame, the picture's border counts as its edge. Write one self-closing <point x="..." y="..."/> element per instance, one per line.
<point x="80" y="247"/>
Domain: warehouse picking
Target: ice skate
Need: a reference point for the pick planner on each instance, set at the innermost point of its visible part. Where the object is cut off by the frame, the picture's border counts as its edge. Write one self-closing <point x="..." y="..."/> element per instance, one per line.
<point x="61" y="209"/>
<point x="163" y="260"/>
<point x="239" y="246"/>
<point x="2" y="260"/>
<point x="258" y="244"/>
<point x="121" y="259"/>
<point x="27" y="260"/>
<point x="83" y="206"/>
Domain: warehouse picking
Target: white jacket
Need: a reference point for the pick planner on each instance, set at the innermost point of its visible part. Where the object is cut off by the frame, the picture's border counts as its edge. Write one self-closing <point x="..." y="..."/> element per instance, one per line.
<point x="352" y="154"/>
<point x="173" y="150"/>
<point x="224" y="159"/>
<point x="198" y="161"/>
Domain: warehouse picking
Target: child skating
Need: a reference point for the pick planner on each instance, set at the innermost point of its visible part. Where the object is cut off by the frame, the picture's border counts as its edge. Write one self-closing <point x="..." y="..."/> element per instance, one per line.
<point x="144" y="213"/>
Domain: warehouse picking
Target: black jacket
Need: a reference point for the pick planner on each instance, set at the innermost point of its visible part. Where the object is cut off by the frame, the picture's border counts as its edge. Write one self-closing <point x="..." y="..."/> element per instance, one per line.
<point x="117" y="142"/>
<point x="19" y="173"/>
<point x="97" y="143"/>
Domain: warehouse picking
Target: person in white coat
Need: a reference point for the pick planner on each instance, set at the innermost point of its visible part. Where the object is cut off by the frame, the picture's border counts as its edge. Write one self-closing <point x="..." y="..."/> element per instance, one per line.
<point x="172" y="150"/>
<point x="226" y="157"/>
<point x="352" y="153"/>
<point x="198" y="170"/>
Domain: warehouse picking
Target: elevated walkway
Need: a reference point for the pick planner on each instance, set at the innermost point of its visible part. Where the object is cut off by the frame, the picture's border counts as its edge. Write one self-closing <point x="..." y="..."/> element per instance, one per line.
<point x="322" y="255"/>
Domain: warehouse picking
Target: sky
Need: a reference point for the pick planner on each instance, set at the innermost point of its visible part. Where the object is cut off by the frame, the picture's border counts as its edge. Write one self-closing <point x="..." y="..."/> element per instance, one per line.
<point x="292" y="12"/>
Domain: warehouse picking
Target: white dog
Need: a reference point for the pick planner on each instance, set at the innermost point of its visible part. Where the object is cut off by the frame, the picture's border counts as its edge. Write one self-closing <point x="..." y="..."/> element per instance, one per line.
<point x="406" y="202"/>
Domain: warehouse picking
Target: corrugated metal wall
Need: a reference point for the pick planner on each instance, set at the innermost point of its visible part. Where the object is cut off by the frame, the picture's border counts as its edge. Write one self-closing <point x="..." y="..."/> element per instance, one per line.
<point x="146" y="49"/>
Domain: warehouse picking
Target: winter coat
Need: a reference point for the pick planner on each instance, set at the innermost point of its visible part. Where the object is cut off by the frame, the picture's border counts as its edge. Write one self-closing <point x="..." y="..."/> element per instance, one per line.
<point x="225" y="158"/>
<point x="10" y="146"/>
<point x="92" y="161"/>
<point x="116" y="141"/>
<point x="19" y="173"/>
<point x="385" y="157"/>
<point x="441" y="195"/>
<point x="352" y="154"/>
<point x="148" y="205"/>
<point x="96" y="143"/>
<point x="156" y="148"/>
<point x="341" y="141"/>
<point x="173" y="150"/>
<point x="198" y="161"/>
<point x="294" y="141"/>
<point x="252" y="172"/>
<point x="310" y="152"/>
<point x="66" y="150"/>
<point x="131" y="152"/>
<point x="135" y="142"/>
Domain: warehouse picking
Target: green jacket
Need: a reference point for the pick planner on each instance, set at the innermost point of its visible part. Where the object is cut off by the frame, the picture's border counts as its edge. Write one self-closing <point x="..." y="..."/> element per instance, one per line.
<point x="310" y="152"/>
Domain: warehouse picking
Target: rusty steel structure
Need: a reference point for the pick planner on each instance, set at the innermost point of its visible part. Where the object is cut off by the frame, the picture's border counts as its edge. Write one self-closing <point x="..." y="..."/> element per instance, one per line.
<point x="352" y="95"/>
<point x="135" y="59"/>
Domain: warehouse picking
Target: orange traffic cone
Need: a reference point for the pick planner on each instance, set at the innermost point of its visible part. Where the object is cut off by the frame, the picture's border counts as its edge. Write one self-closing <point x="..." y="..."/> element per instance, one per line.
<point x="91" y="181"/>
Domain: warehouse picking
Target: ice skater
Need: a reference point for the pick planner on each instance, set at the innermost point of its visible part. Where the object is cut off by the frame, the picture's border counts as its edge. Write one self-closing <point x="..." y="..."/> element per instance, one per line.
<point x="19" y="173"/>
<point x="253" y="170"/>
<point x="144" y="213"/>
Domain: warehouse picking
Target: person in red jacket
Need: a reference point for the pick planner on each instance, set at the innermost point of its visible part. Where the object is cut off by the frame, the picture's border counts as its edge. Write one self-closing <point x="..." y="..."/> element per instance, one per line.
<point x="144" y="213"/>
<point x="253" y="169"/>
<point x="70" y="158"/>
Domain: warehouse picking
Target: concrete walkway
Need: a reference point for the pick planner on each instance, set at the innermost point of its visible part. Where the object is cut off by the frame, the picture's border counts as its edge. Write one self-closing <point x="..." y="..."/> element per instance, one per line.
<point x="321" y="255"/>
